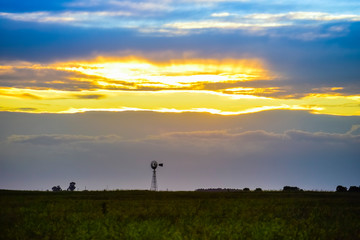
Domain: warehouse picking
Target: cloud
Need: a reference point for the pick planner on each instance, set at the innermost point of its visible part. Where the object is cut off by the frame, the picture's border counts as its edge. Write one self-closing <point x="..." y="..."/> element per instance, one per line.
<point x="328" y="59"/>
<point x="222" y="135"/>
<point x="192" y="159"/>
<point x="43" y="76"/>
<point x="316" y="16"/>
<point x="227" y="76"/>
<point x="227" y="137"/>
<point x="104" y="19"/>
<point x="56" y="139"/>
<point x="333" y="54"/>
<point x="220" y="14"/>
<point x="322" y="137"/>
<point x="198" y="150"/>
<point x="269" y="24"/>
<point x="132" y="72"/>
<point x="90" y="96"/>
<point x="261" y="135"/>
<point x="354" y="130"/>
<point x="20" y="95"/>
<point x="134" y="15"/>
<point x="25" y="109"/>
<point x="133" y="6"/>
<point x="222" y="25"/>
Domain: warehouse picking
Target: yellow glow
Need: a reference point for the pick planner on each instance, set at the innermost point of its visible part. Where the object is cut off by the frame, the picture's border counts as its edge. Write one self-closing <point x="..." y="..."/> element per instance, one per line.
<point x="194" y="110"/>
<point x="55" y="101"/>
<point x="336" y="88"/>
<point x="253" y="91"/>
<point x="170" y="74"/>
<point x="138" y="84"/>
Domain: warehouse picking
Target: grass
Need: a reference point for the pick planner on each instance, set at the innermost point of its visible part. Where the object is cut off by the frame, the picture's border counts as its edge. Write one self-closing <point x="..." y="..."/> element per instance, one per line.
<point x="179" y="215"/>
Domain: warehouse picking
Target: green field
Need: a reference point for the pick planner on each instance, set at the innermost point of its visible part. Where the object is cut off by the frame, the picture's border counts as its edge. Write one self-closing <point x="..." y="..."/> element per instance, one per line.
<point x="179" y="215"/>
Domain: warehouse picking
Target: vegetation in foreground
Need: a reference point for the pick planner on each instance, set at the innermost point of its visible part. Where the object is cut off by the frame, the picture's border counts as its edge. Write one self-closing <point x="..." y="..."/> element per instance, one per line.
<point x="179" y="215"/>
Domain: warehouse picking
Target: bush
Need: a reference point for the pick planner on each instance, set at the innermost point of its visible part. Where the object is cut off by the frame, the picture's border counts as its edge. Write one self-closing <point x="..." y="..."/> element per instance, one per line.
<point x="291" y="189"/>
<point x="341" y="189"/>
<point x="354" y="189"/>
<point x="56" y="189"/>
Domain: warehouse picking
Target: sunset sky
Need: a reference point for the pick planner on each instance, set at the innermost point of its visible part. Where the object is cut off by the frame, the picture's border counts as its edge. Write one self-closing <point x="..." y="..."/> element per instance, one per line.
<point x="246" y="93"/>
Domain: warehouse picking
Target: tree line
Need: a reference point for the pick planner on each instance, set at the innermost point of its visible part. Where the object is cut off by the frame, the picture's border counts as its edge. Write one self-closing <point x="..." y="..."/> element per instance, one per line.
<point x="285" y="189"/>
<point x="345" y="189"/>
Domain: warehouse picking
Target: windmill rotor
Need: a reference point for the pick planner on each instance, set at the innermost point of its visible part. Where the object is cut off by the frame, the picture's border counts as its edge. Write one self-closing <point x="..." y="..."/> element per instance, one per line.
<point x="154" y="164"/>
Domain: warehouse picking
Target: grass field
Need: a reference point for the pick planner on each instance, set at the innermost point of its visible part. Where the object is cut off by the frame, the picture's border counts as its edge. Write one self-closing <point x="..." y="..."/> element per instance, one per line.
<point x="179" y="215"/>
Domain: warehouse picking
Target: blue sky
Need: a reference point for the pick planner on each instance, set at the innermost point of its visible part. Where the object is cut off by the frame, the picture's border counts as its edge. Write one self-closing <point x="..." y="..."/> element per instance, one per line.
<point x="267" y="90"/>
<point x="315" y="39"/>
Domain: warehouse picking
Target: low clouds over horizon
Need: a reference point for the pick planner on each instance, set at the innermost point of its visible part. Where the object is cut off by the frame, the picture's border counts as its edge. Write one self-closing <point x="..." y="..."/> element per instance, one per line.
<point x="213" y="157"/>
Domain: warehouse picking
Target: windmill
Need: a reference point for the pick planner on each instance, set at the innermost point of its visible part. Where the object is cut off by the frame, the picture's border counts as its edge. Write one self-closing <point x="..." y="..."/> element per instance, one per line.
<point x="154" y="165"/>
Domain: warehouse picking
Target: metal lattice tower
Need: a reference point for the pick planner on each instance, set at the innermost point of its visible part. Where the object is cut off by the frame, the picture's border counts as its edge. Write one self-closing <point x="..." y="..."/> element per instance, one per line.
<point x="153" y="182"/>
<point x="154" y="165"/>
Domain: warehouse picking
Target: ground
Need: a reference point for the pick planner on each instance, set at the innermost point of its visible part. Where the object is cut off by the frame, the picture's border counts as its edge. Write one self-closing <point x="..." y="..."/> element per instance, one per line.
<point x="179" y="215"/>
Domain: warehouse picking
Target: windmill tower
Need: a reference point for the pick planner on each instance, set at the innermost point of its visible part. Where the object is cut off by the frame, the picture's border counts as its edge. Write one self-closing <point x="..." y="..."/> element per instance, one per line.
<point x="154" y="165"/>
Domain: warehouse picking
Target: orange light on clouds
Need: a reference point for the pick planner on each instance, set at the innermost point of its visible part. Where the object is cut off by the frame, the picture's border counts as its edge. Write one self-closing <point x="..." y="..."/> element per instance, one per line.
<point x="51" y="101"/>
<point x="139" y="84"/>
<point x="169" y="74"/>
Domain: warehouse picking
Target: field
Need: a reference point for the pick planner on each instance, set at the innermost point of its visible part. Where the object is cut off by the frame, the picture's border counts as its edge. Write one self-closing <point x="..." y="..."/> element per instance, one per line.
<point x="179" y="215"/>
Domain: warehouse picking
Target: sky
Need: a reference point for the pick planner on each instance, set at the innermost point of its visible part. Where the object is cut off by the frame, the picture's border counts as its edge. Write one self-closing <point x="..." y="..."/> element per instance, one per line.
<point x="230" y="94"/>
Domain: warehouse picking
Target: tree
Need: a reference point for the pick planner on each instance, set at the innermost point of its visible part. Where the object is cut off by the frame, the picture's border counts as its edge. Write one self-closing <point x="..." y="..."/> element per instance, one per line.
<point x="56" y="188"/>
<point x="341" y="189"/>
<point x="354" y="189"/>
<point x="246" y="189"/>
<point x="291" y="189"/>
<point x="258" y="190"/>
<point x="71" y="186"/>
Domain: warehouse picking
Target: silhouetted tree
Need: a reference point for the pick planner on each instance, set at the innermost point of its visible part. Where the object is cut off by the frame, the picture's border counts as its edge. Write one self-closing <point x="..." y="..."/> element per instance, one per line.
<point x="246" y="189"/>
<point x="354" y="189"/>
<point x="291" y="189"/>
<point x="341" y="189"/>
<point x="71" y="186"/>
<point x="56" y="188"/>
<point x="258" y="190"/>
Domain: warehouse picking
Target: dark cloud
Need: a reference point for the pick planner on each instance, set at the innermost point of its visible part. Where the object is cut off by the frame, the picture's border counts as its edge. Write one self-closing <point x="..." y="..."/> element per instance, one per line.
<point x="26" y="109"/>
<point x="22" y="95"/>
<point x="30" y="96"/>
<point x="26" y="77"/>
<point x="44" y="78"/>
<point x="314" y="63"/>
<point x="90" y="96"/>
<point x="44" y="43"/>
